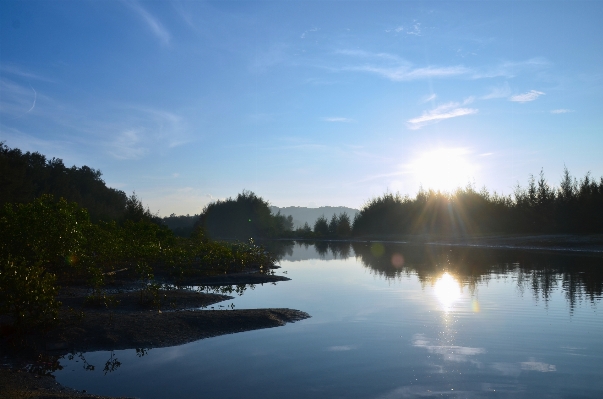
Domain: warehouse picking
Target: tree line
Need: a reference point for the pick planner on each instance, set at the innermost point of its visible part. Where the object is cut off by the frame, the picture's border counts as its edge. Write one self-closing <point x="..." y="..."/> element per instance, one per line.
<point x="26" y="176"/>
<point x="575" y="207"/>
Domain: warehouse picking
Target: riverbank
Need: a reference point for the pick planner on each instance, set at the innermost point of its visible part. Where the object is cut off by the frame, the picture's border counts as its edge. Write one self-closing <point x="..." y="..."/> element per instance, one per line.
<point x="552" y="242"/>
<point x="127" y="319"/>
<point x="587" y="244"/>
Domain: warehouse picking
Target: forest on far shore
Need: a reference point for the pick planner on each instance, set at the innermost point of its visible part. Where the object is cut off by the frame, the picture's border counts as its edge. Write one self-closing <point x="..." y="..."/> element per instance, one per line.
<point x="573" y="207"/>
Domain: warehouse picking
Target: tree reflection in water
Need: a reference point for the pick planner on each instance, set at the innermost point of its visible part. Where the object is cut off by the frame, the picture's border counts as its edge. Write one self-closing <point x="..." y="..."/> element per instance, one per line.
<point x="580" y="277"/>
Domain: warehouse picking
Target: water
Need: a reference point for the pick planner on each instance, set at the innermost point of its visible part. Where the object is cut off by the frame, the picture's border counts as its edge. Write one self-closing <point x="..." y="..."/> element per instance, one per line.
<point x="390" y="321"/>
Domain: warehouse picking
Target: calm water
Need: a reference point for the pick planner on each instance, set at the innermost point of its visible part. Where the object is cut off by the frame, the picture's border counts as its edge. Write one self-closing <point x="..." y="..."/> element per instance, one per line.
<point x="390" y="322"/>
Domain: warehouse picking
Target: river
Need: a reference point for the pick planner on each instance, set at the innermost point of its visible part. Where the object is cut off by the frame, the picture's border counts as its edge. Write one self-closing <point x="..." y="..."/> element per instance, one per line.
<point x="388" y="321"/>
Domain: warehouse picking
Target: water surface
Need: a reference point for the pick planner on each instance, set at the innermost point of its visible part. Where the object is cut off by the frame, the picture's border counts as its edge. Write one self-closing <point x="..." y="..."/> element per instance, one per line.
<point x="389" y="321"/>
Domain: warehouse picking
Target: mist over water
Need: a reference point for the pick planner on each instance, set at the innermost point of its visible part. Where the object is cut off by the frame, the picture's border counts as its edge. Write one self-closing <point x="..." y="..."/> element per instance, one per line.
<point x="390" y="321"/>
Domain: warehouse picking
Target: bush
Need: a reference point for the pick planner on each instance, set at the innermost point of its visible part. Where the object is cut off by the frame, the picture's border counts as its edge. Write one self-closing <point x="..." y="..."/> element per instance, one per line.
<point x="47" y="232"/>
<point x="247" y="216"/>
<point x="27" y="293"/>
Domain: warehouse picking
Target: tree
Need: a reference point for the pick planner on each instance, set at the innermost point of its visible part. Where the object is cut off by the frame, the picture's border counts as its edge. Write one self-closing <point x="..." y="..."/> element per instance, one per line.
<point x="247" y="216"/>
<point x="321" y="227"/>
<point x="333" y="225"/>
<point x="344" y="227"/>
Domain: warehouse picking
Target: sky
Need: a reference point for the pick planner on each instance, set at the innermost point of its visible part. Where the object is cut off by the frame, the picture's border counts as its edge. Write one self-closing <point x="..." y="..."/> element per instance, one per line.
<point x="305" y="103"/>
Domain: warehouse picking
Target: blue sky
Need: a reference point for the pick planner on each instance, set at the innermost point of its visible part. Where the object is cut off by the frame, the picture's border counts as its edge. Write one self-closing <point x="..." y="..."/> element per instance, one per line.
<point x="305" y="103"/>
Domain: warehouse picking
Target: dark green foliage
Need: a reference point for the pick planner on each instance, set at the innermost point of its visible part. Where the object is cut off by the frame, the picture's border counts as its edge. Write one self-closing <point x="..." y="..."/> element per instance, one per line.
<point x="247" y="216"/>
<point x="28" y="293"/>
<point x="321" y="227"/>
<point x="51" y="233"/>
<point x="389" y="214"/>
<point x="574" y="207"/>
<point x="339" y="227"/>
<point x="303" y="232"/>
<point x="182" y="226"/>
<point x="333" y="224"/>
<point x="135" y="211"/>
<point x="47" y="243"/>
<point x="344" y="227"/>
<point x="25" y="176"/>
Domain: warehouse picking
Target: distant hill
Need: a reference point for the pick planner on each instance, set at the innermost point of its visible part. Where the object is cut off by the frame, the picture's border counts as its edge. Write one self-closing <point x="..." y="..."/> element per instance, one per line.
<point x="302" y="214"/>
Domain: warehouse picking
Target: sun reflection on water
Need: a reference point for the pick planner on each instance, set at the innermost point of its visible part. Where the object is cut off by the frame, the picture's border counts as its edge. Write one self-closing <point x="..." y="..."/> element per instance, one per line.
<point x="447" y="290"/>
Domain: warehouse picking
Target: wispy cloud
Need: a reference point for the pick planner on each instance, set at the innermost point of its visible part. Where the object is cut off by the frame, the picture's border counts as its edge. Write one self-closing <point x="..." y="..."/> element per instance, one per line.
<point x="15" y="70"/>
<point x="414" y="29"/>
<point x="368" y="54"/>
<point x="392" y="67"/>
<point x="16" y="100"/>
<point x="503" y="91"/>
<point x="395" y="68"/>
<point x="445" y="111"/>
<point x="185" y="14"/>
<point x="397" y="29"/>
<point x="468" y="100"/>
<point x="303" y="35"/>
<point x="33" y="105"/>
<point x="526" y="97"/>
<point x="338" y="119"/>
<point x="153" y="23"/>
<point x="510" y="69"/>
<point x="341" y="348"/>
<point x="127" y="145"/>
<point x="406" y="73"/>
<point x="130" y="131"/>
<point x="429" y="98"/>
<point x="302" y="147"/>
<point x="561" y="111"/>
<point x="273" y="56"/>
<point x="165" y="127"/>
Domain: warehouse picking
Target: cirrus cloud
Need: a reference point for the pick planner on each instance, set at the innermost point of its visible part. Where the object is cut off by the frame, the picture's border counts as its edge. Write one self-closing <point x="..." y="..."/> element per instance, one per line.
<point x="338" y="119"/>
<point x="526" y="97"/>
<point x="445" y="111"/>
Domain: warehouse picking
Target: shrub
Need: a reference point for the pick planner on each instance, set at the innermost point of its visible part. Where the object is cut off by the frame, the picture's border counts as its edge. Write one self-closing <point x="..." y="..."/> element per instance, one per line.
<point x="27" y="293"/>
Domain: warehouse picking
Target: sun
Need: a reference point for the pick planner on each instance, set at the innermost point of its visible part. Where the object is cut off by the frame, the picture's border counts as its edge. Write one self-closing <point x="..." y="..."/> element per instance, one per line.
<point x="443" y="169"/>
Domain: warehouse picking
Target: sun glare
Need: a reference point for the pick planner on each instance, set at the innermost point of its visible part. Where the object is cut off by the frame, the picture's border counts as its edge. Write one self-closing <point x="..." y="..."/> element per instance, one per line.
<point x="444" y="169"/>
<point x="447" y="290"/>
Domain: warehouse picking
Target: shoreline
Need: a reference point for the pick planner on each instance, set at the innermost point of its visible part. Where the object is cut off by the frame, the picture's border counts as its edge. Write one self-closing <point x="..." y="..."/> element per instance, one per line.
<point x="126" y="322"/>
<point x="577" y="244"/>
